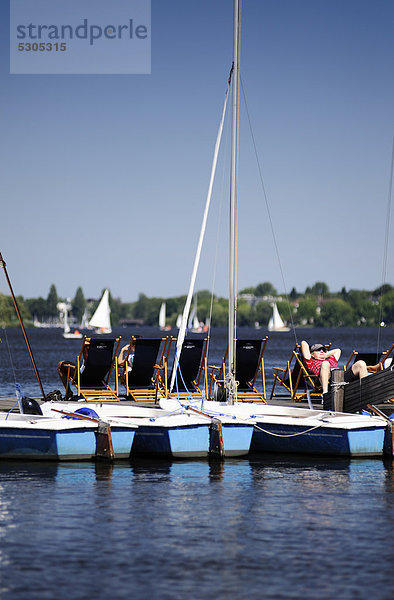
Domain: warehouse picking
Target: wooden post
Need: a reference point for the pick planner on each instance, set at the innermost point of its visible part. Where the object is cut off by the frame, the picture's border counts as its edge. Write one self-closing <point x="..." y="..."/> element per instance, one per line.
<point x="337" y="390"/>
<point x="216" y="446"/>
<point x="104" y="448"/>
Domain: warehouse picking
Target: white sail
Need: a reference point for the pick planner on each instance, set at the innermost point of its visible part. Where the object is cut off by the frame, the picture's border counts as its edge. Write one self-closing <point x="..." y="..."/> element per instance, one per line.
<point x="101" y="320"/>
<point x="162" y="316"/>
<point x="276" y="322"/>
<point x="85" y="320"/>
<point x="179" y="321"/>
<point x="66" y="325"/>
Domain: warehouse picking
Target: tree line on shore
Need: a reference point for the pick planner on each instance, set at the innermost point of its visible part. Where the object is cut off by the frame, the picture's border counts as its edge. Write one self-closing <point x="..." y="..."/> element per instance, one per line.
<point x="317" y="307"/>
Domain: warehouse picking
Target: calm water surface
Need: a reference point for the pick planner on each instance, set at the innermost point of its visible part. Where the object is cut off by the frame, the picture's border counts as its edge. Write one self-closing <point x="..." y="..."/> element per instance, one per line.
<point x="254" y="528"/>
<point x="271" y="528"/>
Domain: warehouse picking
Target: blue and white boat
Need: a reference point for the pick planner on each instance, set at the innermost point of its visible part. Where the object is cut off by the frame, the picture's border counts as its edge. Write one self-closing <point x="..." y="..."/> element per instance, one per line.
<point x="171" y="431"/>
<point x="36" y="437"/>
<point x="297" y="430"/>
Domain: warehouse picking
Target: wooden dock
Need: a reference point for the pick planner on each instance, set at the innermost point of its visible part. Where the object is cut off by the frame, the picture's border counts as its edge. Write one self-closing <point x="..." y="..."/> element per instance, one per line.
<point x="8" y="402"/>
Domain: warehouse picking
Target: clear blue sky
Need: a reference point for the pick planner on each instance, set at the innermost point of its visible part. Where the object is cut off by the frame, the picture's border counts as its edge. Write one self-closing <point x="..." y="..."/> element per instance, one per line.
<point x="104" y="177"/>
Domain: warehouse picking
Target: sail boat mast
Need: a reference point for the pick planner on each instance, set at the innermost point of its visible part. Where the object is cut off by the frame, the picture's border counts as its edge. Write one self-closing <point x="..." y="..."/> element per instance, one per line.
<point x="232" y="320"/>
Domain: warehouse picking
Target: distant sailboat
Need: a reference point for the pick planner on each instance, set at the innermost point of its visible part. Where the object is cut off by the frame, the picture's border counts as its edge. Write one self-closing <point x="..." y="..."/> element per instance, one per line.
<point x="85" y="320"/>
<point x="194" y="325"/>
<point x="162" y="318"/>
<point x="276" y="322"/>
<point x="64" y="307"/>
<point x="101" y="320"/>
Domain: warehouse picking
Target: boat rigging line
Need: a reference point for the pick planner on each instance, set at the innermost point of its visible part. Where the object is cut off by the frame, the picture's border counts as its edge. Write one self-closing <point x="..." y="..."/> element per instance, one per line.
<point x="269" y="214"/>
<point x="3" y="265"/>
<point x="386" y="243"/>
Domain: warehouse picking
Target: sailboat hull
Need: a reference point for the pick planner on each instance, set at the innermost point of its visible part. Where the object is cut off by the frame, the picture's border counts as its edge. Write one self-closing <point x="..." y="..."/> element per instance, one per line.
<point x="24" y="443"/>
<point x="24" y="437"/>
<point x="172" y="442"/>
<point x="190" y="441"/>
<point x="237" y="439"/>
<point x="322" y="441"/>
<point x="296" y="430"/>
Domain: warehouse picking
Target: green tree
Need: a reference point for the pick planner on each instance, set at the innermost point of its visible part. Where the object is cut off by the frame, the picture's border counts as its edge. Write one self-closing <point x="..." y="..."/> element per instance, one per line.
<point x="141" y="307"/>
<point x="37" y="308"/>
<point x="263" y="312"/>
<point x="220" y="313"/>
<point x="383" y="289"/>
<point x="365" y="312"/>
<point x="243" y="314"/>
<point x="7" y="310"/>
<point x="52" y="301"/>
<point x="265" y="289"/>
<point x="306" y="311"/>
<point x="248" y="290"/>
<point x="8" y="316"/>
<point x="335" y="313"/>
<point x="115" y="306"/>
<point x="78" y="305"/>
<point x="320" y="289"/>
<point x="388" y="307"/>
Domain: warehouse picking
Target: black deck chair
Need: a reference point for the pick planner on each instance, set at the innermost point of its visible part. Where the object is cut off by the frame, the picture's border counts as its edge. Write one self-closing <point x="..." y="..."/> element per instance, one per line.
<point x="374" y="360"/>
<point x="95" y="364"/>
<point x="142" y="381"/>
<point x="191" y="365"/>
<point x="249" y="362"/>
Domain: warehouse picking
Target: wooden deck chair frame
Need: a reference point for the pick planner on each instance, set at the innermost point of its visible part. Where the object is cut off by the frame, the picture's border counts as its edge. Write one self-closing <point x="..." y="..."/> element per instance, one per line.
<point x="106" y="394"/>
<point x="198" y="387"/>
<point x="151" y="393"/>
<point x="379" y="364"/>
<point x="291" y="381"/>
<point x="243" y="396"/>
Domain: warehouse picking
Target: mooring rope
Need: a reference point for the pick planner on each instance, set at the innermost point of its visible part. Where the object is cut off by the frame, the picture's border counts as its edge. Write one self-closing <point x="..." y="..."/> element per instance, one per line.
<point x="290" y="434"/>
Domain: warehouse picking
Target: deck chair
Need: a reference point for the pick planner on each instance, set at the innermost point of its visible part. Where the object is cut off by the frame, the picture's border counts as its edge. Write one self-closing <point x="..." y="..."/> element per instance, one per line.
<point x="296" y="378"/>
<point x="375" y="360"/>
<point x="191" y="366"/>
<point x="142" y="381"/>
<point x="249" y="362"/>
<point x="95" y="363"/>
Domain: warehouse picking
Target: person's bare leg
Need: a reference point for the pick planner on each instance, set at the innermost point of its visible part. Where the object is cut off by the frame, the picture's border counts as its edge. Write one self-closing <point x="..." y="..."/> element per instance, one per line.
<point x="324" y="375"/>
<point x="360" y="369"/>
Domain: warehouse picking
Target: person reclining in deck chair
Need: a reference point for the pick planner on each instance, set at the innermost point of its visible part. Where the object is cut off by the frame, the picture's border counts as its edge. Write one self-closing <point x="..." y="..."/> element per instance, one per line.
<point x="123" y="353"/>
<point x="67" y="369"/>
<point x="321" y="362"/>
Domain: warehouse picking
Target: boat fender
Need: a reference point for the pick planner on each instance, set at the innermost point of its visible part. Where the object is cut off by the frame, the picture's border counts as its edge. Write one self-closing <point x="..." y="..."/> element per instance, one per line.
<point x="30" y="407"/>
